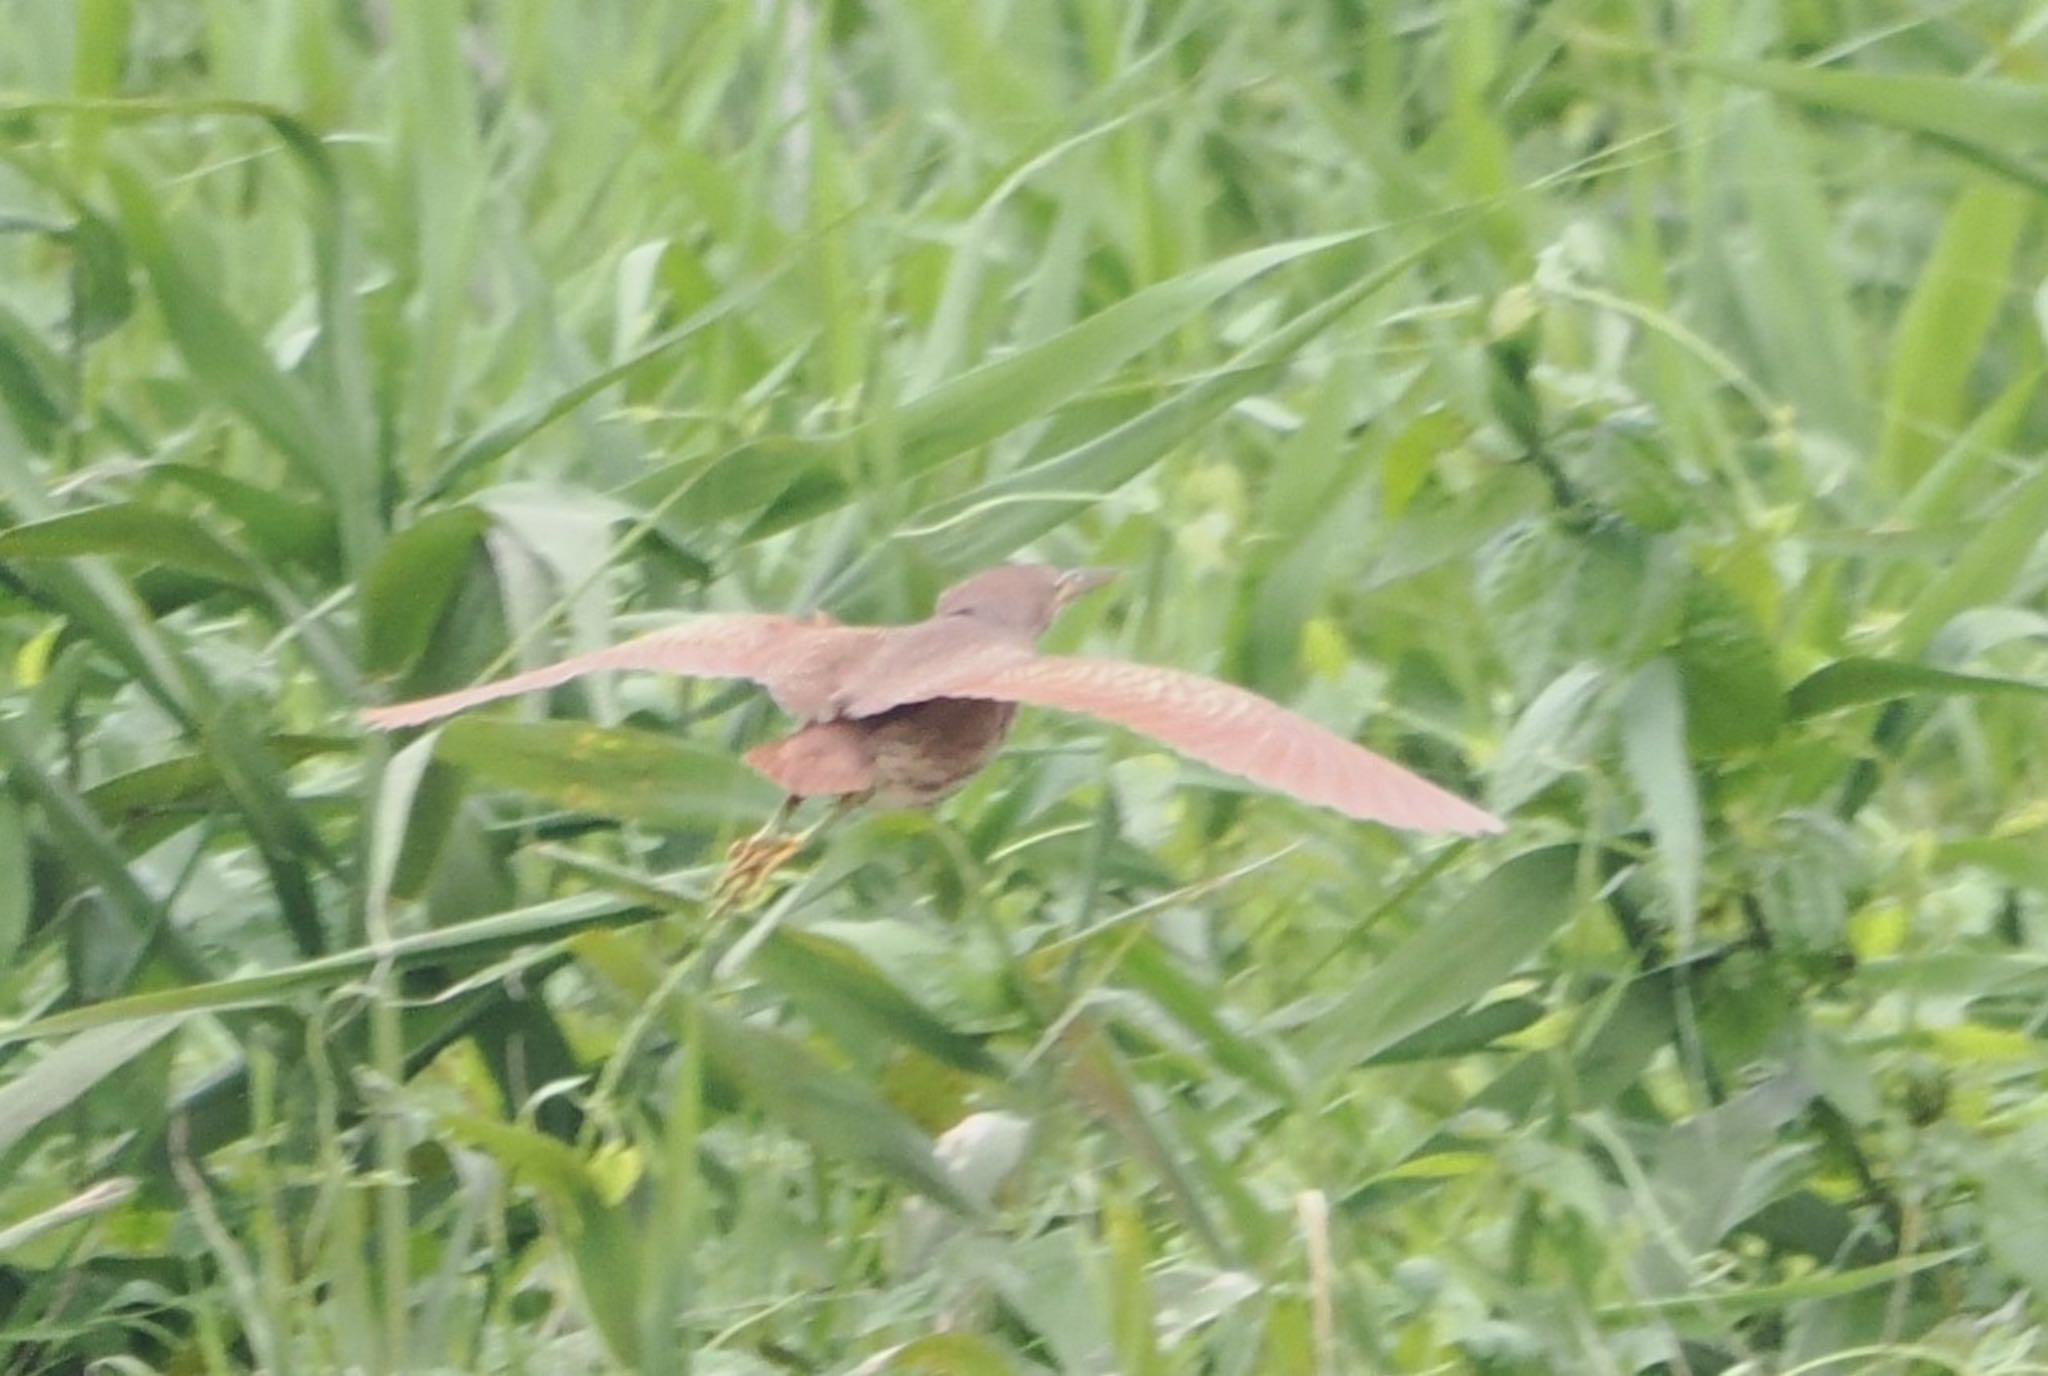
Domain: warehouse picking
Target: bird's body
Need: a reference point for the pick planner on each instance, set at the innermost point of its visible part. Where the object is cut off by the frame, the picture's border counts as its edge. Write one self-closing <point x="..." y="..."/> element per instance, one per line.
<point x="904" y="715"/>
<point x="908" y="756"/>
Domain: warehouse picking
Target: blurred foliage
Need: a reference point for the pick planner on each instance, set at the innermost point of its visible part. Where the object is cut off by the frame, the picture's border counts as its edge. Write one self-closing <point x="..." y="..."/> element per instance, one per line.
<point x="1630" y="414"/>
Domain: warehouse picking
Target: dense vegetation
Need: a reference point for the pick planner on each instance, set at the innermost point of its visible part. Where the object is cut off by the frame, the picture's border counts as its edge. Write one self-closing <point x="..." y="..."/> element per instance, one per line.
<point x="1627" y="414"/>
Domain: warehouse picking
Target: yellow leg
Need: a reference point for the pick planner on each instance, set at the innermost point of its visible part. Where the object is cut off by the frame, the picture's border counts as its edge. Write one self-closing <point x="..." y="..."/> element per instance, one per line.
<point x="754" y="860"/>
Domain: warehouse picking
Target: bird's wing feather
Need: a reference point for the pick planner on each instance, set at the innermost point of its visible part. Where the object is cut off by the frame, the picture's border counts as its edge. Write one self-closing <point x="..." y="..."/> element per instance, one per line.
<point x="1232" y="729"/>
<point x="921" y="662"/>
<point x="781" y="652"/>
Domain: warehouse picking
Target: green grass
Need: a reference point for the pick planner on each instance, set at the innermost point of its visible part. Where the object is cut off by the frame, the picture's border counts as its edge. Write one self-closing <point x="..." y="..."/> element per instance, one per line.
<point x="1629" y="415"/>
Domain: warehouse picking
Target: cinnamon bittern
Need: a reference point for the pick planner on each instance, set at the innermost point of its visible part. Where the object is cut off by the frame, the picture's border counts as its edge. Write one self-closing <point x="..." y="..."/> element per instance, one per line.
<point x="903" y="715"/>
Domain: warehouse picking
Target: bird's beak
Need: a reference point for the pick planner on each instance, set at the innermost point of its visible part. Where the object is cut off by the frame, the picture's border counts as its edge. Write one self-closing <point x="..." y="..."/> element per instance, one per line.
<point x="1077" y="582"/>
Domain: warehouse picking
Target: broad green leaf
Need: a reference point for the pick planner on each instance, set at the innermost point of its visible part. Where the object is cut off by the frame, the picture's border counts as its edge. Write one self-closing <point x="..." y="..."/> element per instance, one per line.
<point x="1759" y="1299"/>
<point x="1996" y="122"/>
<point x="17" y="882"/>
<point x="1958" y="974"/>
<point x="1632" y="1026"/>
<point x="1196" y="1005"/>
<point x="130" y="530"/>
<point x="397" y="785"/>
<point x="746" y="479"/>
<point x="1653" y="747"/>
<point x="30" y="384"/>
<point x="996" y="397"/>
<point x="1631" y="1029"/>
<point x="2016" y="860"/>
<point x="1462" y="1034"/>
<point x="2014" y="1199"/>
<point x="1944" y="327"/>
<point x="105" y="298"/>
<point x="109" y="613"/>
<point x="992" y="521"/>
<point x="1290" y="1339"/>
<point x="1984" y="630"/>
<point x="1451" y="531"/>
<point x="1099" y="1077"/>
<point x="838" y="1114"/>
<point x="436" y="829"/>
<point x="407" y="590"/>
<point x="1131" y="1305"/>
<point x="497" y="440"/>
<point x="1804" y="877"/>
<point x="968" y="266"/>
<point x="846" y="994"/>
<point x="644" y="776"/>
<point x="953" y="1354"/>
<point x="161" y="799"/>
<point x="1723" y="1163"/>
<point x="1554" y="736"/>
<point x="88" y="847"/>
<point x="597" y="1232"/>
<point x="220" y="350"/>
<point x="98" y="59"/>
<point x="67" y="1073"/>
<point x="1728" y="673"/>
<point x="284" y="530"/>
<point x="1857" y="682"/>
<point x="1795" y="295"/>
<point x="1053" y="1283"/>
<point x="1527" y="578"/>
<point x="1803" y="1223"/>
<point x="1987" y="567"/>
<point x="475" y="940"/>
<point x="1941" y="493"/>
<point x="1455" y="960"/>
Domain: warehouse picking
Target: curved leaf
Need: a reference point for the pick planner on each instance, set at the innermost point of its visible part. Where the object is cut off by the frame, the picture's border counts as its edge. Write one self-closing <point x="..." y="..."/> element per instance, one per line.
<point x="219" y="349"/>
<point x="1728" y="671"/>
<point x="1456" y="960"/>
<point x="1857" y="682"/>
<point x="840" y="988"/>
<point x="61" y="1077"/>
<point x="408" y="588"/>
<point x="1653" y="747"/>
<point x="615" y="771"/>
<point x="1984" y="118"/>
<point x="130" y="530"/>
<point x="833" y="1111"/>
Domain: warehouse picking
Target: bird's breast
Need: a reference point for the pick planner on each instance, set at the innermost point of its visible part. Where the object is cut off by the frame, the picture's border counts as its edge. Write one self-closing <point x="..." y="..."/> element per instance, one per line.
<point x="925" y="750"/>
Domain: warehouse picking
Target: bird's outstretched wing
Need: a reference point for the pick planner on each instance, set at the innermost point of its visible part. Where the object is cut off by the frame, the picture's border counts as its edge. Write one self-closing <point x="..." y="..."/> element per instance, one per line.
<point x="791" y="657"/>
<point x="1234" y="730"/>
<point x="920" y="662"/>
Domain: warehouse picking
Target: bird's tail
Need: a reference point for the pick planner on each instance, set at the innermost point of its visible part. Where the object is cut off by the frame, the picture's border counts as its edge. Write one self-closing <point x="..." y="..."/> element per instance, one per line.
<point x="825" y="759"/>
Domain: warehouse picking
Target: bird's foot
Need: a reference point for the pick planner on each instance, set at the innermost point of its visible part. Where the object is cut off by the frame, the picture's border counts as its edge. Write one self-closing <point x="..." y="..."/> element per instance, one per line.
<point x="751" y="863"/>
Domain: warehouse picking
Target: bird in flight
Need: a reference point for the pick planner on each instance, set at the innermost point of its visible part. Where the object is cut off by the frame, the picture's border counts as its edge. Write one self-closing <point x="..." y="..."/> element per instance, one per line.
<point x="901" y="716"/>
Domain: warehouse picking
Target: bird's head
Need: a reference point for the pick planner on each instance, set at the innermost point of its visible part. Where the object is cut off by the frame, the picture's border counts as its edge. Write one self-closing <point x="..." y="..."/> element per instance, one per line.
<point x="1023" y="597"/>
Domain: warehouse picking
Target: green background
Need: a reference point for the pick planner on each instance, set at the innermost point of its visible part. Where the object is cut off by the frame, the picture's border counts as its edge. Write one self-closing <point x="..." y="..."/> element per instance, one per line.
<point x="1628" y="415"/>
